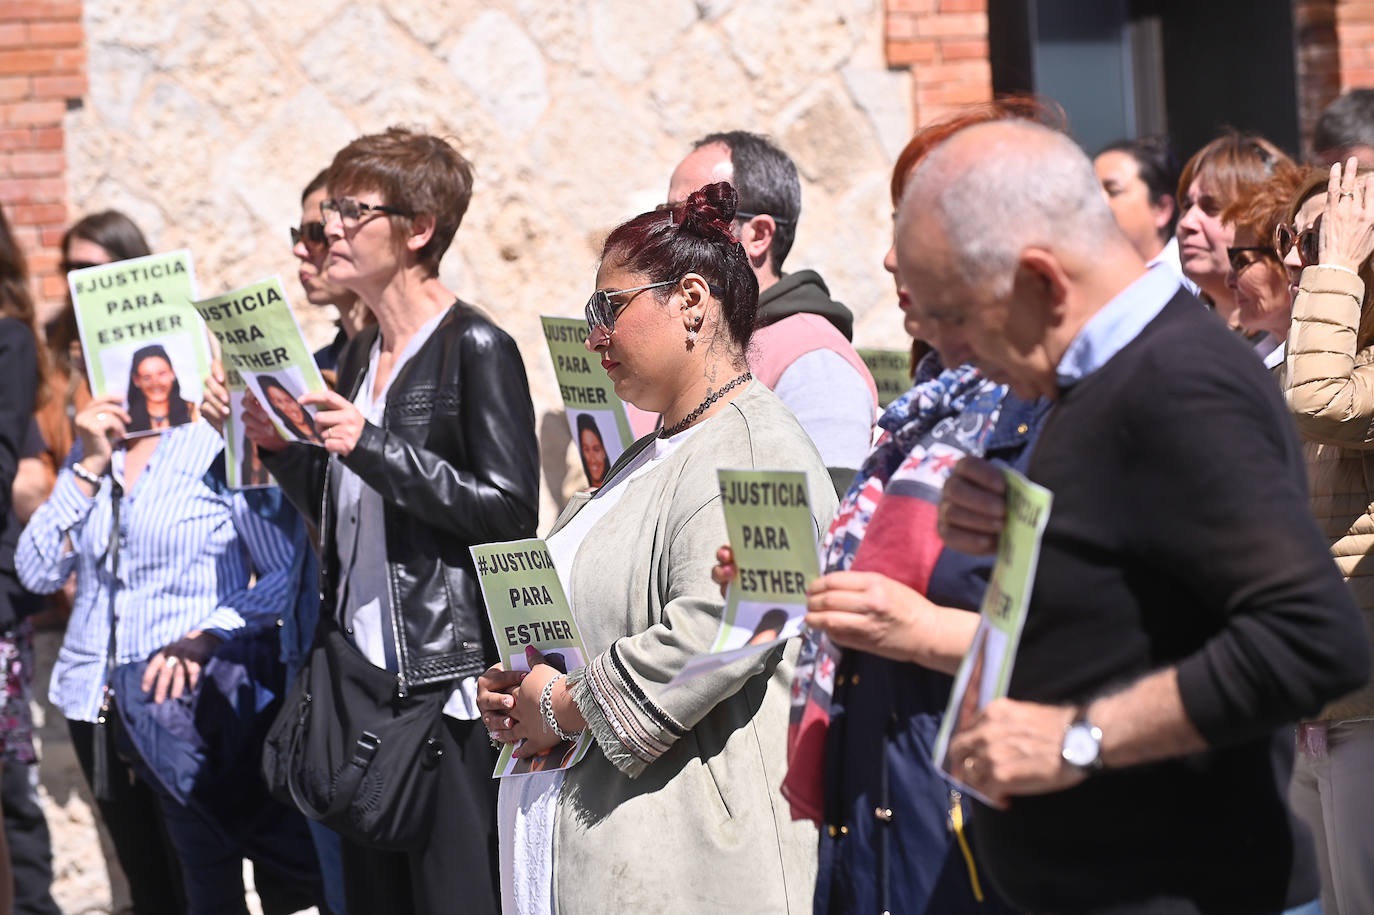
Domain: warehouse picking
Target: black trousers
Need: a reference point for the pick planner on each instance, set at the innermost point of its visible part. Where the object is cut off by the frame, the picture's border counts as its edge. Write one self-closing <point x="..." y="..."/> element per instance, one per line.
<point x="26" y="831"/>
<point x="459" y="868"/>
<point x="134" y="820"/>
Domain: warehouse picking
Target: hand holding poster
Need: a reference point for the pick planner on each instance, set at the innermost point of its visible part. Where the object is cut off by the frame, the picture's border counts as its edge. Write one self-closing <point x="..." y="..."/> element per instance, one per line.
<point x="596" y="416"/>
<point x="261" y="341"/>
<point x="527" y="607"/>
<point x="141" y="339"/>
<point x="891" y="371"/>
<point x="985" y="672"/>
<point x="768" y="520"/>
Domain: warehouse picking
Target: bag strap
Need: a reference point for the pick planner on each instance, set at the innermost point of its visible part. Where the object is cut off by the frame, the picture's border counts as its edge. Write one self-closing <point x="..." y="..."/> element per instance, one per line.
<point x="101" y="776"/>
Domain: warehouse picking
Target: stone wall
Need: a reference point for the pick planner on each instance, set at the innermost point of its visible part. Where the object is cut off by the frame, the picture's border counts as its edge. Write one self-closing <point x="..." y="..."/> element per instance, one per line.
<point x="205" y="119"/>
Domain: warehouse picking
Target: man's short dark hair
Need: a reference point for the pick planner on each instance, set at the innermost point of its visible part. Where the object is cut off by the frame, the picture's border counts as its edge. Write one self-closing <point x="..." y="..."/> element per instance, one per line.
<point x="1346" y="122"/>
<point x="1158" y="166"/>
<point x="767" y="182"/>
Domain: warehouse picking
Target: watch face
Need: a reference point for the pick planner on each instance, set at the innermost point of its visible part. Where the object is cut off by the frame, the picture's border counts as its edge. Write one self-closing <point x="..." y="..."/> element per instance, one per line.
<point x="1081" y="746"/>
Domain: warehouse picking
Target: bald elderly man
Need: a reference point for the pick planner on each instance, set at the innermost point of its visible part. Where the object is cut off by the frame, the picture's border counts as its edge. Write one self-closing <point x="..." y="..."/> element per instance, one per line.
<point x="1186" y="609"/>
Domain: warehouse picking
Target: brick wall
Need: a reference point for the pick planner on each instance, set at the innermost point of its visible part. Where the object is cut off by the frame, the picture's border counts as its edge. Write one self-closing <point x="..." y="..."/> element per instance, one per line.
<point x="945" y="44"/>
<point x="42" y="67"/>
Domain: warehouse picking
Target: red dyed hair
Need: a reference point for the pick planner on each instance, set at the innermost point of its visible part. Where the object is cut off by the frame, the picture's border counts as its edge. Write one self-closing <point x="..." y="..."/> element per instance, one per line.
<point x="694" y="236"/>
<point x="1024" y="107"/>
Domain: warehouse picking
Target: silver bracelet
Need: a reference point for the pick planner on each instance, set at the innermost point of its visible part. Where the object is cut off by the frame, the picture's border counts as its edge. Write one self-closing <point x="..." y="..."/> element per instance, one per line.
<point x="85" y="473"/>
<point x="546" y="709"/>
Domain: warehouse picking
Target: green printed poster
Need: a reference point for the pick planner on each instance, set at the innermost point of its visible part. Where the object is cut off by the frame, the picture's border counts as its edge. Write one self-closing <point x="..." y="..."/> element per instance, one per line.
<point x="891" y="371"/>
<point x="141" y="339"/>
<point x="985" y="672"/>
<point x="768" y="520"/>
<point x="596" y="416"/>
<point x="243" y="465"/>
<point x="526" y="606"/>
<point x="260" y="340"/>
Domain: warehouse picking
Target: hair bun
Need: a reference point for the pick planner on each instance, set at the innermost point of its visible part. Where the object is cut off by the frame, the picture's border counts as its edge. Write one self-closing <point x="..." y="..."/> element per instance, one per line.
<point x="709" y="212"/>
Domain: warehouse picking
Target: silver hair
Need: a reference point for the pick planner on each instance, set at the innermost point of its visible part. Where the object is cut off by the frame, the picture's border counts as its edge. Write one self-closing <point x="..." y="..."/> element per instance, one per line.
<point x="1026" y="185"/>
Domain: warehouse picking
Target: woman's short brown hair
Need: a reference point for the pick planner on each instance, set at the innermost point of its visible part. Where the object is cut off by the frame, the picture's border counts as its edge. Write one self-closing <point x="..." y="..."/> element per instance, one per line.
<point x="1231" y="166"/>
<point x="414" y="172"/>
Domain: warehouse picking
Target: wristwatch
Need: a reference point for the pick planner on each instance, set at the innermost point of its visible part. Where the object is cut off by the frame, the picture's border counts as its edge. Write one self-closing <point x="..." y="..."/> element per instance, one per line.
<point x="1082" y="746"/>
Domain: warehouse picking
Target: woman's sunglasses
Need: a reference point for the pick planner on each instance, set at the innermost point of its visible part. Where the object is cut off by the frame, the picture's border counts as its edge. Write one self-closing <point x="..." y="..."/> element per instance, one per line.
<point x="1245" y="256"/>
<point x="312" y="234"/>
<point x="1308" y="241"/>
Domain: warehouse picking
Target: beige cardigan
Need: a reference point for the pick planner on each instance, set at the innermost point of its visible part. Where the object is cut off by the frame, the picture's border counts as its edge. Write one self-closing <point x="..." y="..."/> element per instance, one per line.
<point x="1329" y="387"/>
<point x="677" y="807"/>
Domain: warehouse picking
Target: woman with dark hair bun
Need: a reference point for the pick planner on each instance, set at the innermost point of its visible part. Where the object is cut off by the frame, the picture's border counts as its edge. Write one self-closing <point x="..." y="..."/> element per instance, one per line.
<point x="154" y="395"/>
<point x="675" y="807"/>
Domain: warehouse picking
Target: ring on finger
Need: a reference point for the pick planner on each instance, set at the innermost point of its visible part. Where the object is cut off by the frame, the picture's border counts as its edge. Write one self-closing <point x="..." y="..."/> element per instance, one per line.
<point x="171" y="661"/>
<point x="100" y="417"/>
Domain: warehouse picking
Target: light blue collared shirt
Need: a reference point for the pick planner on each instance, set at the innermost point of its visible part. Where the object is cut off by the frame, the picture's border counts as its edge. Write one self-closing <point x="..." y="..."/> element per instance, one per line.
<point x="1118" y="323"/>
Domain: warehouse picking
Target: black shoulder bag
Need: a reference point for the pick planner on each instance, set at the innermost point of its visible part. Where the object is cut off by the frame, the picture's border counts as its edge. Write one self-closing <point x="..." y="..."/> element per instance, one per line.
<point x="353" y="749"/>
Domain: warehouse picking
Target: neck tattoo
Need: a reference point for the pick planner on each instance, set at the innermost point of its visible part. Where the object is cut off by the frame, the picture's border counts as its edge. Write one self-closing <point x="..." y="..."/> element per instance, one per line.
<point x="710" y="399"/>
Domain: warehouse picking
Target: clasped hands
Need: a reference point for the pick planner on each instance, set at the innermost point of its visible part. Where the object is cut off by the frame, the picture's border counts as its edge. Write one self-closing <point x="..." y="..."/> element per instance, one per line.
<point x="508" y="701"/>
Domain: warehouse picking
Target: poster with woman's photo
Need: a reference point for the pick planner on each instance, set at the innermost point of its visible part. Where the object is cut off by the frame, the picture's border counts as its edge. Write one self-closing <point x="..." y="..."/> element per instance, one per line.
<point x="527" y="607"/>
<point x="260" y="340"/>
<point x="985" y="672"/>
<point x="142" y="339"/>
<point x="769" y="523"/>
<point x="596" y="416"/>
<point x="242" y="463"/>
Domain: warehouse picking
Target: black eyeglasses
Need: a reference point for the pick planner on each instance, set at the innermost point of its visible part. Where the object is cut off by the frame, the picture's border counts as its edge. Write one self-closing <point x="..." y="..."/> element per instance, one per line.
<point x="601" y="311"/>
<point x="745" y="217"/>
<point x="1308" y="241"/>
<point x="350" y="210"/>
<point x="69" y="266"/>
<point x="312" y="234"/>
<point x="1243" y="257"/>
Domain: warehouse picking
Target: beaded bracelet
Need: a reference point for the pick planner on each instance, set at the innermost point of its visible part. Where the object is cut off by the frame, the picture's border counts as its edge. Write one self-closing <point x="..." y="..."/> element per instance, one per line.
<point x="546" y="709"/>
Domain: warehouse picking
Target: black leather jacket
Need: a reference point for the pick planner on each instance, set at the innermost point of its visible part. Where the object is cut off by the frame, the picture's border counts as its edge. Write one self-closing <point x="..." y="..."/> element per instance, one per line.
<point x="456" y="462"/>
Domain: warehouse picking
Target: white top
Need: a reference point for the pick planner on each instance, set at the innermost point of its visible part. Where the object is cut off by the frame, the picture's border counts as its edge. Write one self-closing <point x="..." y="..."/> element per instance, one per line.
<point x="525" y="812"/>
<point x="1168" y="256"/>
<point x="364" y="606"/>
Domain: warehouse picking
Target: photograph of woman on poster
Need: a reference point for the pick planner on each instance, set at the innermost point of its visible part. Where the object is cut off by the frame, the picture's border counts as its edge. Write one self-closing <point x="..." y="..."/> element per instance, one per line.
<point x="288" y="409"/>
<point x="592" y="449"/>
<point x="155" y="401"/>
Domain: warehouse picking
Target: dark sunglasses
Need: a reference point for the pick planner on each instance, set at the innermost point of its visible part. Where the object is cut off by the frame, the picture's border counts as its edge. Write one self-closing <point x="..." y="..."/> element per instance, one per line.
<point x="1243" y="257"/>
<point x="1308" y="241"/>
<point x="601" y="311"/>
<point x="69" y="266"/>
<point x="311" y="233"/>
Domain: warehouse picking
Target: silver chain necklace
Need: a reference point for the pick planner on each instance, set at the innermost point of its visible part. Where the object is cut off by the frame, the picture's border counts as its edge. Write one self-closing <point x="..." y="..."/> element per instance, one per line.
<point x="710" y="399"/>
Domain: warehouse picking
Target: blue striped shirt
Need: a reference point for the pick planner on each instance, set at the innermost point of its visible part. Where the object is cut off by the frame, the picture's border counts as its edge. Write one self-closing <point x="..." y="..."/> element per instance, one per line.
<point x="189" y="549"/>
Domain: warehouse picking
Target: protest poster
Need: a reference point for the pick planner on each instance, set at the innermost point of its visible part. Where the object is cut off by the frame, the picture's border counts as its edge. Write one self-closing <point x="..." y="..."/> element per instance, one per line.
<point x="260" y="340"/>
<point x="597" y="419"/>
<point x="985" y="672"/>
<point x="769" y="524"/>
<point x="242" y="463"/>
<point x="891" y="371"/>
<point x="141" y="339"/>
<point x="526" y="606"/>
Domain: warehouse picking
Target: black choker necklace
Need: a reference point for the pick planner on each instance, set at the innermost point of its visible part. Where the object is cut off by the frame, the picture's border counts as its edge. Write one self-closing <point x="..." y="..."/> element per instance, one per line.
<point x="710" y="399"/>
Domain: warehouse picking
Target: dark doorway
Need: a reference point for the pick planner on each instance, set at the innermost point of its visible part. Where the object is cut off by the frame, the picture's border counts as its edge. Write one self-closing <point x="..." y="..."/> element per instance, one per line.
<point x="1125" y="68"/>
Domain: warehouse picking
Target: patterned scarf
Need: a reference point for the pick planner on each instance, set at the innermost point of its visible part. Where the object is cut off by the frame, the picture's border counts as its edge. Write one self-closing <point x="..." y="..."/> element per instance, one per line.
<point x="887" y="523"/>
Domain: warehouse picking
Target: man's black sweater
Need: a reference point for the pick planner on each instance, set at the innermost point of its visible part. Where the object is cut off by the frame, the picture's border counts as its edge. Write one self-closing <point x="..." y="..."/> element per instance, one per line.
<point x="1180" y="536"/>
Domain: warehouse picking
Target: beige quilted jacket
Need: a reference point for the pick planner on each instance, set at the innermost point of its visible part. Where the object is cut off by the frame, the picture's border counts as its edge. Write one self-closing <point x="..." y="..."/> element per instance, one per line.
<point x="1329" y="386"/>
